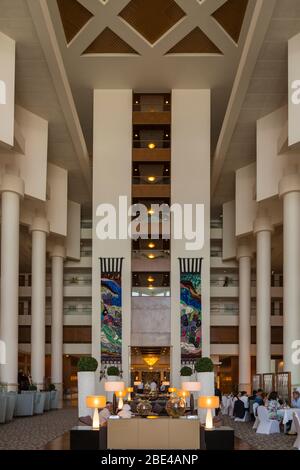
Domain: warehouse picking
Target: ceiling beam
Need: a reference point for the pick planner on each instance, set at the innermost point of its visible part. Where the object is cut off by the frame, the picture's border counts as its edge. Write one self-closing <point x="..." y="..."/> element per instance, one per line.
<point x="46" y="34"/>
<point x="261" y="17"/>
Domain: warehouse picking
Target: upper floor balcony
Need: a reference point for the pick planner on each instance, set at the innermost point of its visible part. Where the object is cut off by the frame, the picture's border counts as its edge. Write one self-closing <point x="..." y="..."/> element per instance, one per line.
<point x="151" y="108"/>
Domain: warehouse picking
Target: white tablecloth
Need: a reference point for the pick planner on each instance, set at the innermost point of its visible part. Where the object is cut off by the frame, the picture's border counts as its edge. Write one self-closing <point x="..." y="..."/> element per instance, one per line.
<point x="287" y="414"/>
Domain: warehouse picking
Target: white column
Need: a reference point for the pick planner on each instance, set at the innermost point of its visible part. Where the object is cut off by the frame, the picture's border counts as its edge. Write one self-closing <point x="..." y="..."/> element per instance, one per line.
<point x="244" y="256"/>
<point x="39" y="230"/>
<point x="190" y="185"/>
<point x="263" y="231"/>
<point x="57" y="281"/>
<point x="289" y="190"/>
<point x="12" y="189"/>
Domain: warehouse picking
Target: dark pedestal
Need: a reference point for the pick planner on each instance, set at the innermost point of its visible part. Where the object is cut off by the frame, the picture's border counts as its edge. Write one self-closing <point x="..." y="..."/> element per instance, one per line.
<point x="87" y="438"/>
<point x="221" y="438"/>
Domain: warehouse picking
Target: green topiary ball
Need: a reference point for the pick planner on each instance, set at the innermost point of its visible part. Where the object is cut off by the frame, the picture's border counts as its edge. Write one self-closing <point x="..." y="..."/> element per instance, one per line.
<point x="87" y="364"/>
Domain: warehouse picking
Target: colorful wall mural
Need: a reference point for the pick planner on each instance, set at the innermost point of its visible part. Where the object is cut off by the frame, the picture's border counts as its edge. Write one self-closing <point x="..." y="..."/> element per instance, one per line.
<point x="191" y="315"/>
<point x="111" y="317"/>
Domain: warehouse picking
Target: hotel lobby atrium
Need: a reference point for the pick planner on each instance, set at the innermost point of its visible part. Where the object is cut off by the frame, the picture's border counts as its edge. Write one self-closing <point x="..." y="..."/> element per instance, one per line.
<point x="150" y="226"/>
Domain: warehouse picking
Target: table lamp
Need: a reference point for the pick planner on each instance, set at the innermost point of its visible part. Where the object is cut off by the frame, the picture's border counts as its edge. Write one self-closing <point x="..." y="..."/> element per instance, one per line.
<point x="116" y="386"/>
<point x="95" y="402"/>
<point x="120" y="395"/>
<point x="191" y="387"/>
<point x="129" y="391"/>
<point x="183" y="394"/>
<point x="210" y="403"/>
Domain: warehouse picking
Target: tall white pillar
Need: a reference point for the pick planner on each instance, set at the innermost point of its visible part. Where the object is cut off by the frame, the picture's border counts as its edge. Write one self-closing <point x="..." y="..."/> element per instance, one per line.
<point x="244" y="255"/>
<point x="57" y="281"/>
<point x="12" y="189"/>
<point x="39" y="230"/>
<point x="289" y="190"/>
<point x="263" y="231"/>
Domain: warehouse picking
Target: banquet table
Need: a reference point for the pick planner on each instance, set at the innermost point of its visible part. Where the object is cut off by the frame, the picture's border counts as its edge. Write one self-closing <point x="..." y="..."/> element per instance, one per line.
<point x="287" y="415"/>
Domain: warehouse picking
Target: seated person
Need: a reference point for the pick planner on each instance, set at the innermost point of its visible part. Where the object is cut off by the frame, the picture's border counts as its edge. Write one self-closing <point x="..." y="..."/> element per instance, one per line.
<point x="259" y="397"/>
<point x="239" y="408"/>
<point x="296" y="399"/>
<point x="273" y="406"/>
<point x="244" y="398"/>
<point x="105" y="413"/>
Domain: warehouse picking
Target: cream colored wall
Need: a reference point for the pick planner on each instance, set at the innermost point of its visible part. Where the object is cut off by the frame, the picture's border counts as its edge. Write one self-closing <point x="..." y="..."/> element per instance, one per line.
<point x="34" y="162"/>
<point x="190" y="184"/>
<point x="73" y="231"/>
<point x="7" y="75"/>
<point x="293" y="74"/>
<point x="229" y="240"/>
<point x="112" y="158"/>
<point x="271" y="166"/>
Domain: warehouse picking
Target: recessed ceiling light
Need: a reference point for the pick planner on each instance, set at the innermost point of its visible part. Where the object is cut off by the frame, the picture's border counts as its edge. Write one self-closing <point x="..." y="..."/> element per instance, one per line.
<point x="151" y="245"/>
<point x="150" y="279"/>
<point x="151" y="146"/>
<point x="151" y="179"/>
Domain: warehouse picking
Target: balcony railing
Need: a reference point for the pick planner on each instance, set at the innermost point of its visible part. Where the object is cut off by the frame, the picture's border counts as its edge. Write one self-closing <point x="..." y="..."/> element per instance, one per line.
<point x="151" y="180"/>
<point x="86" y="253"/>
<point x="86" y="224"/>
<point x="153" y="292"/>
<point x="151" y="144"/>
<point x="224" y="282"/>
<point x="215" y="310"/>
<point x="78" y="310"/>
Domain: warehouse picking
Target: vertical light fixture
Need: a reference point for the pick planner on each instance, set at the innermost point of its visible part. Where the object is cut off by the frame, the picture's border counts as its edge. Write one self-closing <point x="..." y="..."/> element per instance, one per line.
<point x="210" y="403"/>
<point x="96" y="402"/>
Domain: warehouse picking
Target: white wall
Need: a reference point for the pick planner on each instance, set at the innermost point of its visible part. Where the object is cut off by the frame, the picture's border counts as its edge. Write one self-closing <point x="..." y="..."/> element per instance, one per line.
<point x="7" y="88"/>
<point x="32" y="166"/>
<point x="294" y="75"/>
<point x="270" y="165"/>
<point x="190" y="184"/>
<point x="57" y="200"/>
<point x="73" y="230"/>
<point x="229" y="240"/>
<point x="245" y="199"/>
<point x="112" y="172"/>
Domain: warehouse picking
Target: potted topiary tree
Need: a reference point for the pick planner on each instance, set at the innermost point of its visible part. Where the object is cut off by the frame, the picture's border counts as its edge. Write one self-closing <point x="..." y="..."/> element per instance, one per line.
<point x="185" y="372"/>
<point x="86" y="383"/>
<point x="205" y="375"/>
<point x="113" y="374"/>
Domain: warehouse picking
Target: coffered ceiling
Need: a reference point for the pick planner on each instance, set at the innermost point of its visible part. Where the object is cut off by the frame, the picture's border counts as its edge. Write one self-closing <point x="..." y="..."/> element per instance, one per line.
<point x="150" y="45"/>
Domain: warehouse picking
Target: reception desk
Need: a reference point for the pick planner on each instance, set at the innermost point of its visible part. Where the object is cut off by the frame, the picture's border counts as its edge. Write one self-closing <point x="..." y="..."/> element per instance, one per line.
<point x="160" y="433"/>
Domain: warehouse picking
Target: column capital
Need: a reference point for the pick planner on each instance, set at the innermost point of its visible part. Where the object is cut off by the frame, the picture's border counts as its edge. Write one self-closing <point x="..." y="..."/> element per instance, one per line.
<point x="58" y="251"/>
<point x="262" y="224"/>
<point x="244" y="251"/>
<point x="12" y="183"/>
<point x="288" y="184"/>
<point x="40" y="224"/>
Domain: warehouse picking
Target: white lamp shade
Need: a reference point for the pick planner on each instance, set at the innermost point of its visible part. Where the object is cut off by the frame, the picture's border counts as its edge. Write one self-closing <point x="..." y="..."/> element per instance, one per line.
<point x="114" y="386"/>
<point x="191" y="386"/>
